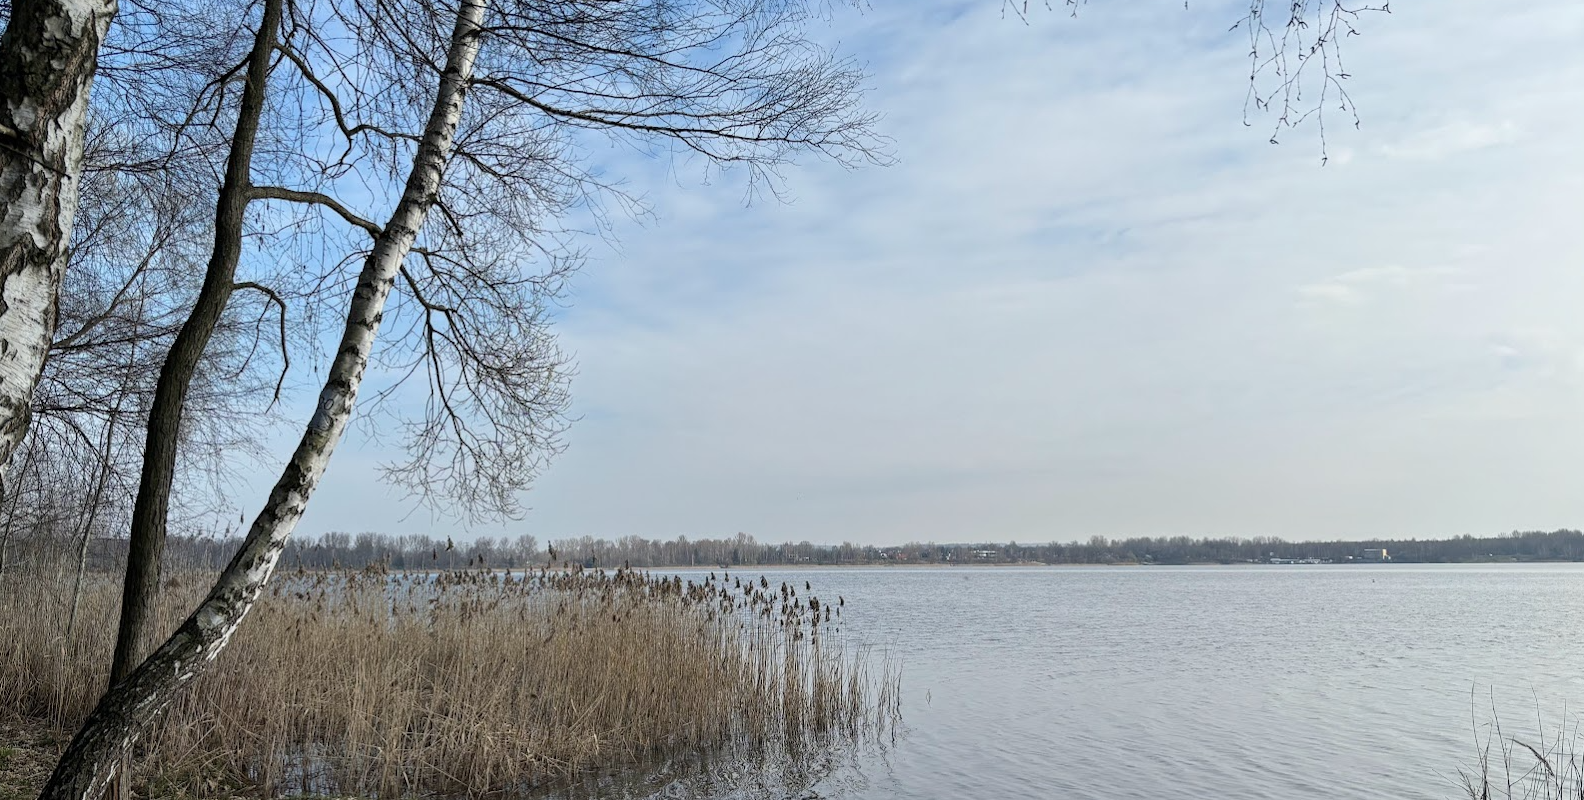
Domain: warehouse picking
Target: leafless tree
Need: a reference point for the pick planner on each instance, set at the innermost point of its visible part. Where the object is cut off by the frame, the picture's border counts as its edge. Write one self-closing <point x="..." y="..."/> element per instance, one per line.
<point x="129" y="282"/>
<point x="151" y="510"/>
<point x="1296" y="66"/>
<point x="480" y="115"/>
<point x="104" y="741"/>
<point x="141" y="175"/>
<point x="468" y="320"/>
<point x="730" y="81"/>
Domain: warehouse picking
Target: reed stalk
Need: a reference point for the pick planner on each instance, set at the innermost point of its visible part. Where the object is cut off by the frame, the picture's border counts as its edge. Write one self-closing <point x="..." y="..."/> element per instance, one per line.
<point x="459" y="683"/>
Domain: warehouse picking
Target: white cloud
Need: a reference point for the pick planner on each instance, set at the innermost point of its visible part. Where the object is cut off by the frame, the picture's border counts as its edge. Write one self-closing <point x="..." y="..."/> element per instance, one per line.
<point x="1089" y="300"/>
<point x="1357" y="286"/>
<point x="1452" y="139"/>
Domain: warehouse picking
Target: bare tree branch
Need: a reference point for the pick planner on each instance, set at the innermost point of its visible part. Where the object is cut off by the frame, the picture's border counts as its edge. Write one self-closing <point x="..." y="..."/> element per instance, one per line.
<point x="285" y="350"/>
<point x="313" y="198"/>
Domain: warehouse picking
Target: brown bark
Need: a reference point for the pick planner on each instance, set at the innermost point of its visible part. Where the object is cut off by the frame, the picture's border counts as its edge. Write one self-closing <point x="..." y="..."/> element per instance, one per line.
<point x="95" y="753"/>
<point x="151" y="508"/>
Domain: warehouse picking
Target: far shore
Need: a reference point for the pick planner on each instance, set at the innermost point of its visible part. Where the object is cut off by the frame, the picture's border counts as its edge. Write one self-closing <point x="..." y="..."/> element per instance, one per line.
<point x="744" y="568"/>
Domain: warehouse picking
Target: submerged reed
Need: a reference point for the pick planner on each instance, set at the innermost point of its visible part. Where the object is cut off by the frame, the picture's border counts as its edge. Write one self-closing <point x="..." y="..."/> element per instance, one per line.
<point x="467" y="683"/>
<point x="1538" y="764"/>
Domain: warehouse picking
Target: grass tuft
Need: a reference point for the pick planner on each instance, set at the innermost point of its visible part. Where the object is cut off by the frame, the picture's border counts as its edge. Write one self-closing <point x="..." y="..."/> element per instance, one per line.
<point x="1541" y="764"/>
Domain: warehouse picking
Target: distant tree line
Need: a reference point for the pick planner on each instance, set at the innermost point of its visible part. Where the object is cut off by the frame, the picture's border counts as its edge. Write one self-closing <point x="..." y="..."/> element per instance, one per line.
<point x="252" y="181"/>
<point x="420" y="552"/>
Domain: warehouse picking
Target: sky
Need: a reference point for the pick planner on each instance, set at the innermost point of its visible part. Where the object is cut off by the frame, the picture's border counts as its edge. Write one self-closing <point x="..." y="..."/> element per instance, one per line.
<point x="1088" y="299"/>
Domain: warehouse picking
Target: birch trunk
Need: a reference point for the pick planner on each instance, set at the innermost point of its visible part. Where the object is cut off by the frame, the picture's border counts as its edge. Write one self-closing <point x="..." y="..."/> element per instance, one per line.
<point x="151" y="508"/>
<point x="47" y="59"/>
<point x="90" y="761"/>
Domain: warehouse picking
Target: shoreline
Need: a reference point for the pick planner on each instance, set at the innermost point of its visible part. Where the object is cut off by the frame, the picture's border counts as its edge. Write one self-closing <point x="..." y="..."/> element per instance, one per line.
<point x="882" y="565"/>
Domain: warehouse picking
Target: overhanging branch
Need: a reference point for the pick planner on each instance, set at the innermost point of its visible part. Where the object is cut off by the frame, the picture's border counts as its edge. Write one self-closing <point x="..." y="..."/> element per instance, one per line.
<point x="315" y="199"/>
<point x="285" y="355"/>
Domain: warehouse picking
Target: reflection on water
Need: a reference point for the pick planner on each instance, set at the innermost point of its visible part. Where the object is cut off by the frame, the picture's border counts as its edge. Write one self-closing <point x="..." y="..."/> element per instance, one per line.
<point x="509" y="684"/>
<point x="1206" y="682"/>
<point x="834" y="767"/>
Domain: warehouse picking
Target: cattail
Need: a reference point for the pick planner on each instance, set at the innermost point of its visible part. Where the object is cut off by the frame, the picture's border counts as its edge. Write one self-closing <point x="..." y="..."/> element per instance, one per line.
<point x="679" y="671"/>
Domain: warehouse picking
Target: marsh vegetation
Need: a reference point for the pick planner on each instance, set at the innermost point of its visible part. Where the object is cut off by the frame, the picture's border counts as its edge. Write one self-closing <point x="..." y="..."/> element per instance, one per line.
<point x="464" y="683"/>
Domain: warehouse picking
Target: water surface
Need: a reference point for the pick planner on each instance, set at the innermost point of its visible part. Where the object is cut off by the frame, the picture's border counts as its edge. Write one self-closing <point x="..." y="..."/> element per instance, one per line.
<point x="1210" y="682"/>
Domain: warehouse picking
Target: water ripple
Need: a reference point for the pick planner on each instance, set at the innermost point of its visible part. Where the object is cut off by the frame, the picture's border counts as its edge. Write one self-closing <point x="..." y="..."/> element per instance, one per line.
<point x="1236" y="683"/>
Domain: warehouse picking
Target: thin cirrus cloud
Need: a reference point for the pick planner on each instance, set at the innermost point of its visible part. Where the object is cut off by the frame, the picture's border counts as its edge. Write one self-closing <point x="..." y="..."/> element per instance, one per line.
<point x="1088" y="299"/>
<point x="1365" y="284"/>
<point x="1452" y="139"/>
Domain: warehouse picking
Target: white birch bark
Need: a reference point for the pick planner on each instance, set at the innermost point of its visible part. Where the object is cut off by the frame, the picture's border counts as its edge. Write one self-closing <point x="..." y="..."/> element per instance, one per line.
<point x="47" y="60"/>
<point x="93" y="756"/>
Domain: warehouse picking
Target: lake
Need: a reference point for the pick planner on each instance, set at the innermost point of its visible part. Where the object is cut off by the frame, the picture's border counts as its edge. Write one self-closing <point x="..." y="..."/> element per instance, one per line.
<point x="1209" y="682"/>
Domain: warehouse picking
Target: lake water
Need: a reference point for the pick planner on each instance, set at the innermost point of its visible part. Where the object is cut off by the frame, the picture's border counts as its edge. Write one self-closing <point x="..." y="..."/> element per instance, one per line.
<point x="1207" y="682"/>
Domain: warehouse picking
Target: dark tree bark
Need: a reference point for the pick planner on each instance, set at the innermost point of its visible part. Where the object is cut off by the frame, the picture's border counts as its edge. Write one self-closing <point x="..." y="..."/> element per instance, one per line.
<point x="91" y="760"/>
<point x="47" y="58"/>
<point x="151" y="509"/>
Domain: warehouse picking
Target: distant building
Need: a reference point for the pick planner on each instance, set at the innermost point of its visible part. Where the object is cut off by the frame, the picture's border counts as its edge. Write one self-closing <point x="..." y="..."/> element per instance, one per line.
<point x="1377" y="554"/>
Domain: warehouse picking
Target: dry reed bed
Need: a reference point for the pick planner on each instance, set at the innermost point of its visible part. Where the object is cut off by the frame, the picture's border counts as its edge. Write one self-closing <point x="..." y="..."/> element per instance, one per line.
<point x="463" y="683"/>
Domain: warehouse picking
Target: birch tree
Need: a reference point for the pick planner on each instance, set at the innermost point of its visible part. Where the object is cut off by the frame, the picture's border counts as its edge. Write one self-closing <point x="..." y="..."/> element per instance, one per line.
<point x="494" y="175"/>
<point x="106" y="738"/>
<point x="130" y="280"/>
<point x="47" y="58"/>
<point x="48" y="61"/>
<point x="49" y="178"/>
<point x="733" y="83"/>
<point x="469" y="320"/>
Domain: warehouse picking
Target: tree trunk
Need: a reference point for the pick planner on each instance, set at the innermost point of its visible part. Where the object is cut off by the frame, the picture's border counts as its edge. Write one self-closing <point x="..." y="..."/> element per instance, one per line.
<point x="11" y="514"/>
<point x="126" y="710"/>
<point x="90" y="515"/>
<point x="47" y="59"/>
<point x="150" y="510"/>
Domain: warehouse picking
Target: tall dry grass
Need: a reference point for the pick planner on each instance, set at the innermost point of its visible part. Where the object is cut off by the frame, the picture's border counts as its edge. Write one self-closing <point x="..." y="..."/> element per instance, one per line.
<point x="462" y="683"/>
<point x="1543" y="763"/>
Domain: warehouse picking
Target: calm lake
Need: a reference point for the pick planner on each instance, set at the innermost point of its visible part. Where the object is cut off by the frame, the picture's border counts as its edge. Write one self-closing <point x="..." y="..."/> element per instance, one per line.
<point x="1209" y="682"/>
